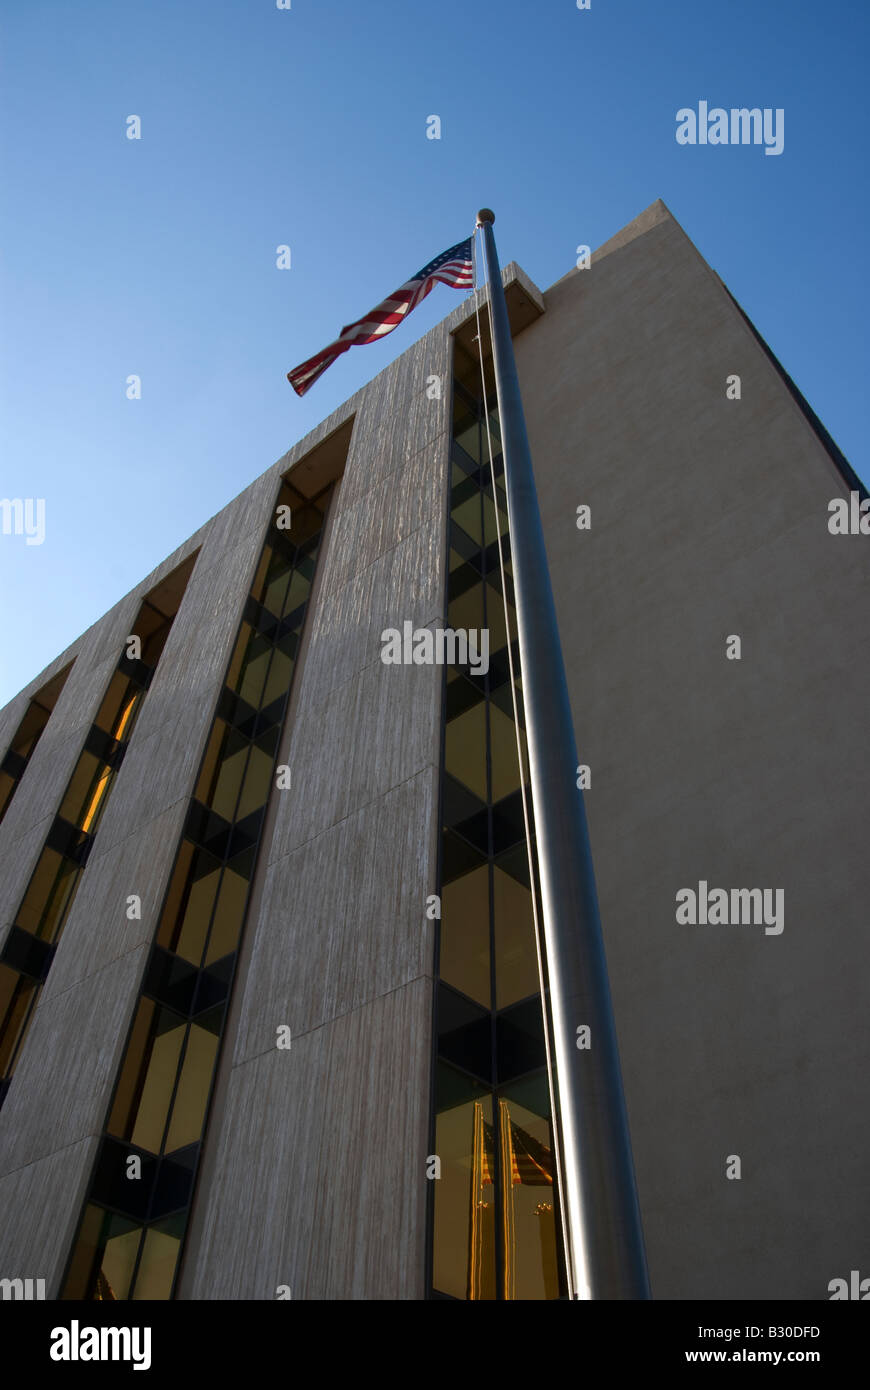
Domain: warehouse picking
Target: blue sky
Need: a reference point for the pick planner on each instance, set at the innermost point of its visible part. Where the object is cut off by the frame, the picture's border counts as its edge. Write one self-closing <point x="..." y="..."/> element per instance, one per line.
<point x="307" y="127"/>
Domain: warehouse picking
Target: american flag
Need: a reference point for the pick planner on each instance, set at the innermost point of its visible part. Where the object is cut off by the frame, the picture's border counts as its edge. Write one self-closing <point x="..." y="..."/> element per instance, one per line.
<point x="454" y="267"/>
<point x="531" y="1162"/>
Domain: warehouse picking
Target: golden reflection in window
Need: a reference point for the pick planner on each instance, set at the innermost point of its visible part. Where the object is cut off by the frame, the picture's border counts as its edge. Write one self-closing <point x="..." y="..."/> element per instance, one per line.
<point x="503" y="753"/>
<point x="468" y="439"/>
<point x="144" y="1092"/>
<point x="113" y="703"/>
<point x="229" y="915"/>
<point x="490" y="533"/>
<point x="456" y="560"/>
<point x="257" y="781"/>
<point x="118" y="1258"/>
<point x="187" y="913"/>
<point x="280" y="675"/>
<point x="467" y="515"/>
<point x="466" y="611"/>
<point x="160" y="1251"/>
<point x="465" y="750"/>
<point x="530" y="1256"/>
<point x="467" y="1227"/>
<point x="86" y="1252"/>
<point x="27" y="735"/>
<point x="297" y="593"/>
<point x="104" y="781"/>
<point x="49" y="895"/>
<point x="81" y="783"/>
<point x="465" y="935"/>
<point x="191" y="1098"/>
<point x="17" y="993"/>
<point x="169" y="1064"/>
<point x="250" y="665"/>
<point x="494" y="1227"/>
<point x="464" y="1253"/>
<point x="123" y="725"/>
<point x="276" y="585"/>
<point x="156" y="1080"/>
<point x="516" y="957"/>
<point x="219" y="782"/>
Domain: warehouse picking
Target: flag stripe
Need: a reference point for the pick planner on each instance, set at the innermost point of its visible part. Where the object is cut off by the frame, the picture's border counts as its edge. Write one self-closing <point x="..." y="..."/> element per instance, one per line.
<point x="453" y="267"/>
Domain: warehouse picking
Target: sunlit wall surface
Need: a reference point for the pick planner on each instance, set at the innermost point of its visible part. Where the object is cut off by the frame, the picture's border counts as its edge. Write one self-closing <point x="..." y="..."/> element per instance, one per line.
<point x="132" y="1229"/>
<point x="26" y="737"/>
<point x="30" y="946"/>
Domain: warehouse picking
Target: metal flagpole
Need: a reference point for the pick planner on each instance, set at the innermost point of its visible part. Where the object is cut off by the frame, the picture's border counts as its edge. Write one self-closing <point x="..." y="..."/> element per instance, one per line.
<point x="605" y="1241"/>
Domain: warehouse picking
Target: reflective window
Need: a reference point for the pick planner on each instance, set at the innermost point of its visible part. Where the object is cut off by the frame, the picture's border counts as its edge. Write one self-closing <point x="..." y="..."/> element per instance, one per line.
<point x="465" y="1198"/>
<point x="26" y="737"/>
<point x="17" y="996"/>
<point x="49" y="896"/>
<point x="47" y="901"/>
<point x="495" y="1234"/>
<point x="160" y="1107"/>
<point x="160" y="1251"/>
<point x="465" y="935"/>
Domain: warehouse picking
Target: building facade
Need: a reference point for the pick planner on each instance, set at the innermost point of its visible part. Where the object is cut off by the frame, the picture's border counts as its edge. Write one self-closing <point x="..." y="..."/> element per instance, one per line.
<point x="270" y="1012"/>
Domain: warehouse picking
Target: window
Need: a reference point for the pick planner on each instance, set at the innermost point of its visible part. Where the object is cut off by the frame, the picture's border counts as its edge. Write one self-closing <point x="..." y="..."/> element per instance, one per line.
<point x="26" y="737"/>
<point x="49" y="896"/>
<point x="131" y="1235"/>
<point x="495" y="1233"/>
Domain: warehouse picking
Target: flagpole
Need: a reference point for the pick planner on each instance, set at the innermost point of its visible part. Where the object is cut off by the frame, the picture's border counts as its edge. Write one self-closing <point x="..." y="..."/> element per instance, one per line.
<point x="605" y="1252"/>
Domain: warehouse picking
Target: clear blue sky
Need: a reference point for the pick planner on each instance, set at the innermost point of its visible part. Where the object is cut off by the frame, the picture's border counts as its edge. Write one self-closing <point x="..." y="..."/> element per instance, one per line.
<point x="307" y="127"/>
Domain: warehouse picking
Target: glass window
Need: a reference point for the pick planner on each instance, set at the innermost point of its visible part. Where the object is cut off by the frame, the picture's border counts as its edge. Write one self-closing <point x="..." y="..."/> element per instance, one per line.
<point x="119" y="1257"/>
<point x="29" y="730"/>
<point x="465" y="959"/>
<point x="261" y="578"/>
<point x="531" y="1257"/>
<point x="280" y="671"/>
<point x="104" y="1256"/>
<point x="86" y="794"/>
<point x="516" y="953"/>
<point x="115" y="714"/>
<point x="276" y="584"/>
<point x="505" y="759"/>
<point x="307" y="521"/>
<point x="49" y="895"/>
<point x="226" y="928"/>
<point x="494" y="1225"/>
<point x="465" y="749"/>
<point x="160" y="1251"/>
<point x="152" y="647"/>
<point x="187" y="913"/>
<point x="467" y="516"/>
<point x="466" y="431"/>
<point x="297" y="593"/>
<point x="457" y="857"/>
<point x="490" y="533"/>
<point x="144" y="1094"/>
<point x="498" y="633"/>
<point x="194" y="1085"/>
<point x="258" y="780"/>
<point x="223" y="770"/>
<point x="164" y="1085"/>
<point x="17" y="993"/>
<point x="466" y="611"/>
<point x="7" y="787"/>
<point x="464" y="1246"/>
<point x="250" y="665"/>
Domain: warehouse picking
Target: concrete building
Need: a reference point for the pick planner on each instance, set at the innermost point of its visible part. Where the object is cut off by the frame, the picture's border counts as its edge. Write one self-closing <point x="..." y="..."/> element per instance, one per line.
<point x="236" y="1035"/>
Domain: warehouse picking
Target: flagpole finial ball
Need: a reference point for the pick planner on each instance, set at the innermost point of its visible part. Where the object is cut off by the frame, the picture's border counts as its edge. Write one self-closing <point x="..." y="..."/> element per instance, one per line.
<point x="485" y="215"/>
